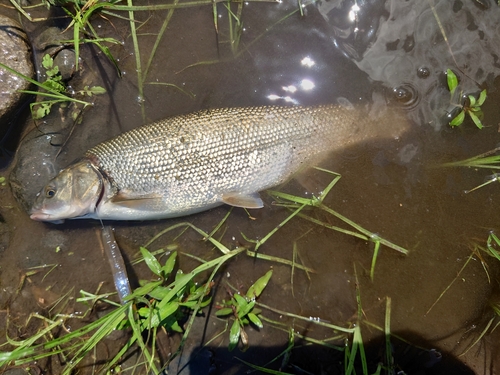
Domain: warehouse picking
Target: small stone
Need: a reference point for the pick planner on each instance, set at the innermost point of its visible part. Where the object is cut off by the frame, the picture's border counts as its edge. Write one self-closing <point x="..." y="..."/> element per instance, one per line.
<point x="66" y="61"/>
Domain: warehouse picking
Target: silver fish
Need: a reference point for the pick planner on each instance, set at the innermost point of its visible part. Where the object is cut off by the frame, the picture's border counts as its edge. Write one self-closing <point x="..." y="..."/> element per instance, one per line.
<point x="190" y="163"/>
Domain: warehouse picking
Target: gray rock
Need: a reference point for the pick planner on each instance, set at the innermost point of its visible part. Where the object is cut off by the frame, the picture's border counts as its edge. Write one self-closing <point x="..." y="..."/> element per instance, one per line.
<point x="15" y="53"/>
<point x="66" y="61"/>
<point x="35" y="162"/>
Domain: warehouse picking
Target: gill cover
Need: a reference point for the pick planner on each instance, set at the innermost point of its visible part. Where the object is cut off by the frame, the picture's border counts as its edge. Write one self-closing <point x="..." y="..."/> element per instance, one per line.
<point x="73" y="193"/>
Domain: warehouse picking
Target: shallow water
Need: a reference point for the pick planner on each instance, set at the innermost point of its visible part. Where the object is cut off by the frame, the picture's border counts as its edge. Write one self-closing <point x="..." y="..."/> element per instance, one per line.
<point x="392" y="188"/>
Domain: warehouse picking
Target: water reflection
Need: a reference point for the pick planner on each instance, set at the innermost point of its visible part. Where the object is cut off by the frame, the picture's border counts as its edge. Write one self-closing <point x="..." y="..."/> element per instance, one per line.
<point x="408" y="42"/>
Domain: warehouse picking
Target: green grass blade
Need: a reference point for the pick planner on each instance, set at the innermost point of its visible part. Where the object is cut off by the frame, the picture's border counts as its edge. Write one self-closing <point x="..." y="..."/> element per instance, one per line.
<point x="271" y="258"/>
<point x="263" y="369"/>
<point x="373" y="236"/>
<point x="137" y="334"/>
<point x="308" y="319"/>
<point x="374" y="260"/>
<point x="54" y="93"/>
<point x="480" y="161"/>
<point x="451" y="283"/>
<point x="138" y="64"/>
<point x="335" y="228"/>
<point x="387" y="332"/>
<point x="158" y="39"/>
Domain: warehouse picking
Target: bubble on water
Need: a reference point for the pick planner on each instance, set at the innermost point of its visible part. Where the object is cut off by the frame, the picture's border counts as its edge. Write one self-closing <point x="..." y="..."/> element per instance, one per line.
<point x="406" y="95"/>
<point x="423" y="72"/>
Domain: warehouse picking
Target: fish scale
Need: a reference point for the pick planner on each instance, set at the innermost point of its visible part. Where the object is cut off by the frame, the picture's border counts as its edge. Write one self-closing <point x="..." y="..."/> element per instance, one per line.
<point x="189" y="163"/>
<point x="189" y="158"/>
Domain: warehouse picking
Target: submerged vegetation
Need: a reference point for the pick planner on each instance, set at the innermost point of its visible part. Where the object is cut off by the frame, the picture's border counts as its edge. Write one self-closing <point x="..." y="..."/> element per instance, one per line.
<point x="488" y="160"/>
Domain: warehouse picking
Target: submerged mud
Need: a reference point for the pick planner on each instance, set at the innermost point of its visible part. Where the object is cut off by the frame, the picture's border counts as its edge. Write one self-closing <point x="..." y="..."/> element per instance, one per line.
<point x="440" y="293"/>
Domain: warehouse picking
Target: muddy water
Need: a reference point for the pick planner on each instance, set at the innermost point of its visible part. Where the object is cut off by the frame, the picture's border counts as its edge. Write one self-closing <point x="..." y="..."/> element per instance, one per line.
<point x="392" y="188"/>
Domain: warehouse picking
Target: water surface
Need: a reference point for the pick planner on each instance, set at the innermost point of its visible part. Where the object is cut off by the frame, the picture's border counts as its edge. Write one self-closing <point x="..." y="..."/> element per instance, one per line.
<point x="333" y="53"/>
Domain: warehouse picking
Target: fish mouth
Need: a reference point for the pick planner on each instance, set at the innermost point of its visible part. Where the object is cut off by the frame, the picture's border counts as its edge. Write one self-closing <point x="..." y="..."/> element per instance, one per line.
<point x="40" y="216"/>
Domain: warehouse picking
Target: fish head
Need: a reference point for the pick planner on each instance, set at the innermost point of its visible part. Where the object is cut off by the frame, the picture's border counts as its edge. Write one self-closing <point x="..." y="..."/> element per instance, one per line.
<point x="73" y="193"/>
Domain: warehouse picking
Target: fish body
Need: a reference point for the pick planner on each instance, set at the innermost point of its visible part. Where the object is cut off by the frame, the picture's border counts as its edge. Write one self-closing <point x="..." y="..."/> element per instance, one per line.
<point x="190" y="163"/>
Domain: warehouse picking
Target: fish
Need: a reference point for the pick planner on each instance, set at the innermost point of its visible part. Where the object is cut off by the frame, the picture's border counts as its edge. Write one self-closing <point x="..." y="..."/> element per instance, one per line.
<point x="193" y="162"/>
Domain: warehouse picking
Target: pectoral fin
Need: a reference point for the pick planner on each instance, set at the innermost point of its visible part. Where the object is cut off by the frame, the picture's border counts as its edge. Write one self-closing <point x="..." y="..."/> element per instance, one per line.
<point x="140" y="202"/>
<point x="243" y="200"/>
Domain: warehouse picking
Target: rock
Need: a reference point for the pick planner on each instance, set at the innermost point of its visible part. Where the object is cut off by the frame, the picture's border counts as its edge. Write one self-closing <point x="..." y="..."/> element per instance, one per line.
<point x="66" y="61"/>
<point x="35" y="161"/>
<point x="16" y="54"/>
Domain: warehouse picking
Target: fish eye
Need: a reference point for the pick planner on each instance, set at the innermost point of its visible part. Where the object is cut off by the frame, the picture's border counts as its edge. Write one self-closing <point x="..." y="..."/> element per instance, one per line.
<point x="50" y="192"/>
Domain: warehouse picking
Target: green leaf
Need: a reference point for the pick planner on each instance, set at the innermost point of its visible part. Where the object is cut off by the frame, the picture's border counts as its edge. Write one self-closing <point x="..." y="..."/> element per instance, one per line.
<point x="96" y="90"/>
<point x="169" y="264"/>
<point x="197" y="294"/>
<point x="224" y="312"/>
<point x="256" y="289"/>
<point x="189" y="304"/>
<point x="234" y="335"/>
<point x="206" y="302"/>
<point x="255" y="320"/>
<point x="144" y="289"/>
<point x="240" y="301"/>
<point x="174" y="326"/>
<point x="151" y="261"/>
<point x="163" y="313"/>
<point x="257" y="311"/>
<point x="452" y="80"/>
<point x="53" y="73"/>
<point x="458" y="119"/>
<point x="47" y="61"/>
<point x="472" y="100"/>
<point x="43" y="109"/>
<point x="482" y="98"/>
<point x="171" y="324"/>
<point x="144" y="312"/>
<point x="244" y="310"/>
<point x="50" y="84"/>
<point x="159" y="292"/>
<point x="179" y="275"/>
<point x="476" y="120"/>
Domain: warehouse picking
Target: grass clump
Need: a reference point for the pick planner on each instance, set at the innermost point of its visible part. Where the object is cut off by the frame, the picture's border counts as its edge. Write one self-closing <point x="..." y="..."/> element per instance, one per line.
<point x="53" y="90"/>
<point x="152" y="306"/>
<point x="487" y="160"/>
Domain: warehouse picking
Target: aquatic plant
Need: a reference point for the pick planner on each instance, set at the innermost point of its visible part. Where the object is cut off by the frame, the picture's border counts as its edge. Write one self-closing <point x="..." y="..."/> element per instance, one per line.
<point x="53" y="90"/>
<point x="488" y="160"/>
<point x="470" y="107"/>
<point x="242" y="308"/>
<point x="55" y="82"/>
<point x="149" y="307"/>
